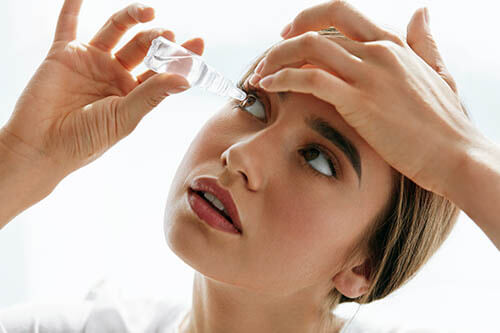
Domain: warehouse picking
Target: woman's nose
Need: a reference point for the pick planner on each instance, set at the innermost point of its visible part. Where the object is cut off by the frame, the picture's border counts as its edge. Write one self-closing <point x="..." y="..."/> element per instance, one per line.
<point x="250" y="159"/>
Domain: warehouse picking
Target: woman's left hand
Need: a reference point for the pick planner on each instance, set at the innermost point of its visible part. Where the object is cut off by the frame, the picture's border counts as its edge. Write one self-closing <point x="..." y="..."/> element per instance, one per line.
<point x="396" y="94"/>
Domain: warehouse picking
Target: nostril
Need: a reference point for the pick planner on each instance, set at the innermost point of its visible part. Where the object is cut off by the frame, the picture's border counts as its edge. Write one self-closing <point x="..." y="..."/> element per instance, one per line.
<point x="244" y="176"/>
<point x="224" y="160"/>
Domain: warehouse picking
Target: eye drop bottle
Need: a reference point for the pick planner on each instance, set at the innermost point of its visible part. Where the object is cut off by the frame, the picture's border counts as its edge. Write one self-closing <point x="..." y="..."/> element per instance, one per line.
<point x="166" y="56"/>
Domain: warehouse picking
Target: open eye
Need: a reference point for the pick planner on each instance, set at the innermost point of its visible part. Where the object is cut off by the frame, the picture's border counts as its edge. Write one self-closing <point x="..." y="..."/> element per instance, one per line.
<point x="253" y="105"/>
<point x="319" y="161"/>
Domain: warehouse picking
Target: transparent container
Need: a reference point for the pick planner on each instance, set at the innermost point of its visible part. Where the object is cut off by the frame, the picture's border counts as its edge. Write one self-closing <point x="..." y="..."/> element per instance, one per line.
<point x="166" y="56"/>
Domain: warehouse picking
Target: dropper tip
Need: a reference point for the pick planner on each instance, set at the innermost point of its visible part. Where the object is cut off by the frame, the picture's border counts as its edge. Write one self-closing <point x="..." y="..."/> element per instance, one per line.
<point x="238" y="94"/>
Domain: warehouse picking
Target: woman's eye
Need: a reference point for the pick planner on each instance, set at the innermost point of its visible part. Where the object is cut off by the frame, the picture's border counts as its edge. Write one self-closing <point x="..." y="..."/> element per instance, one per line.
<point x="319" y="161"/>
<point x="253" y="105"/>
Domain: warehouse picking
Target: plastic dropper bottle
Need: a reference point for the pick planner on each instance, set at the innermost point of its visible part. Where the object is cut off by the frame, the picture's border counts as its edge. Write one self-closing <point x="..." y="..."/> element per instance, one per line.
<point x="166" y="56"/>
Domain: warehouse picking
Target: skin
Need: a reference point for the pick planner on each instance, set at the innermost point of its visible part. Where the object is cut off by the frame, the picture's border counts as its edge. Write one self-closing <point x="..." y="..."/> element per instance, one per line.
<point x="88" y="92"/>
<point x="303" y="225"/>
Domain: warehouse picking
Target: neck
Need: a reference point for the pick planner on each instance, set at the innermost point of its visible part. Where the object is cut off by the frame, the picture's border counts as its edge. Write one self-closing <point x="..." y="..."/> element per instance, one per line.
<point x="221" y="308"/>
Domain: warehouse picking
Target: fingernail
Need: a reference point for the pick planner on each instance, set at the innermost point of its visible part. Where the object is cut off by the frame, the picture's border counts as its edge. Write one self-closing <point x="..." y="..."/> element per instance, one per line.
<point x="177" y="90"/>
<point x="286" y="30"/>
<point x="266" y="82"/>
<point x="259" y="67"/>
<point x="140" y="10"/>
<point x="254" y="79"/>
<point x="427" y="16"/>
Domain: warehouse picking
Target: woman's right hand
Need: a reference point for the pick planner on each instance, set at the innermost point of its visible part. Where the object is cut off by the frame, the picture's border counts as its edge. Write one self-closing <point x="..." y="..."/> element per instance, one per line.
<point x="83" y="98"/>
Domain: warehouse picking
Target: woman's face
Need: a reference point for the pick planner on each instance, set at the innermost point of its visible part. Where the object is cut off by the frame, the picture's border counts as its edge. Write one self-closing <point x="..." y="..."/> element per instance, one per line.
<point x="303" y="206"/>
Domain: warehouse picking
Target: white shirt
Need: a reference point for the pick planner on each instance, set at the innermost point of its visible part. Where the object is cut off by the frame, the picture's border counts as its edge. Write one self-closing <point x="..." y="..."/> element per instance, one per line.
<point x="102" y="311"/>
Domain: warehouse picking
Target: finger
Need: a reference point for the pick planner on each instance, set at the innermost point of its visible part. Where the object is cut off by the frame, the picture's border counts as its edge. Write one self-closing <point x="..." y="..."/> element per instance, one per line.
<point x="195" y="45"/>
<point x="314" y="81"/>
<point x="310" y="48"/>
<point x="118" y="24"/>
<point x="144" y="76"/>
<point x="133" y="53"/>
<point x="146" y="96"/>
<point x="68" y="21"/>
<point x="341" y="15"/>
<point x="420" y="39"/>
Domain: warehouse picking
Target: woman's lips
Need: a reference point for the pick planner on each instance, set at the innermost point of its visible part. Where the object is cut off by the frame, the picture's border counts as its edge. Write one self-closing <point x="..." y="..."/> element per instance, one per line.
<point x="210" y="185"/>
<point x="209" y="214"/>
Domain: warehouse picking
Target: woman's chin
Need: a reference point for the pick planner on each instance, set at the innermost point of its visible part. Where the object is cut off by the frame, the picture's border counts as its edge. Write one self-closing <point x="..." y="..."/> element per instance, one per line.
<point x="190" y="241"/>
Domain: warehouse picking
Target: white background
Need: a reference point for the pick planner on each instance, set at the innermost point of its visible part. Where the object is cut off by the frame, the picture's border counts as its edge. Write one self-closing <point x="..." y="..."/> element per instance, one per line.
<point x="105" y="221"/>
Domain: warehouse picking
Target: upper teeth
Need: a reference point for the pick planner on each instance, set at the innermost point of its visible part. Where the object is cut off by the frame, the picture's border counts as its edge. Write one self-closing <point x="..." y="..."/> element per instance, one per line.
<point x="216" y="202"/>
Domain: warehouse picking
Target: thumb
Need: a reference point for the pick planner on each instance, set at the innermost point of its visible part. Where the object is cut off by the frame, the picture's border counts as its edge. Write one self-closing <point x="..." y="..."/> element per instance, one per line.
<point x="146" y="96"/>
<point x="420" y="39"/>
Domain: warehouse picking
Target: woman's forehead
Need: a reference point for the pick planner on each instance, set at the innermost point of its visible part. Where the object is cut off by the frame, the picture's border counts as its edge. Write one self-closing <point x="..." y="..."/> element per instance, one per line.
<point x="310" y="105"/>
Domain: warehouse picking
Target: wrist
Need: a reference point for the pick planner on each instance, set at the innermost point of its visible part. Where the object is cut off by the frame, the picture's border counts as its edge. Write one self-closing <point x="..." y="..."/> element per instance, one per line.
<point x="477" y="164"/>
<point x="478" y="187"/>
<point x="26" y="176"/>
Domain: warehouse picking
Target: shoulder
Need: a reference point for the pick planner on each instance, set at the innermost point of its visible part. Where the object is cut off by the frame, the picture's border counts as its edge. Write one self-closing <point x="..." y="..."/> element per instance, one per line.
<point x="134" y="315"/>
<point x="131" y="315"/>
<point x="32" y="317"/>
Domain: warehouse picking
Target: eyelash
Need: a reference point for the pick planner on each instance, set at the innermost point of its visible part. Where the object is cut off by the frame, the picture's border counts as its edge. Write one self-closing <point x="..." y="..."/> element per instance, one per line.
<point x="253" y="93"/>
<point x="332" y="161"/>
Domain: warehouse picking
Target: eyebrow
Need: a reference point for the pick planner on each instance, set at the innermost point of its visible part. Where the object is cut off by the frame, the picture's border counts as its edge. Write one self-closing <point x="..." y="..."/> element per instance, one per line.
<point x="283" y="95"/>
<point x="322" y="127"/>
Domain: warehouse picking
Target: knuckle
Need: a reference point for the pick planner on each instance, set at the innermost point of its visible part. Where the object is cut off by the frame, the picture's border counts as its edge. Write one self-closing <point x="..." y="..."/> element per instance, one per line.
<point x="308" y="40"/>
<point x="115" y="22"/>
<point x="283" y="76"/>
<point x="272" y="53"/>
<point x="143" y="40"/>
<point x="335" y="5"/>
<point x="153" y="101"/>
<point x="315" y="77"/>
<point x="382" y="49"/>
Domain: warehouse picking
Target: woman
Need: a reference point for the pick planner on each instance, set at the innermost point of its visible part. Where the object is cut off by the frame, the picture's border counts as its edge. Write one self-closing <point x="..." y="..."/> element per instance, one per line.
<point x="307" y="246"/>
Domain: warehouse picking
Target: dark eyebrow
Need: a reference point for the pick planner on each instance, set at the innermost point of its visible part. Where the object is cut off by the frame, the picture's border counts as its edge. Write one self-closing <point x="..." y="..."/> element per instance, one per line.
<point x="283" y="95"/>
<point x="322" y="127"/>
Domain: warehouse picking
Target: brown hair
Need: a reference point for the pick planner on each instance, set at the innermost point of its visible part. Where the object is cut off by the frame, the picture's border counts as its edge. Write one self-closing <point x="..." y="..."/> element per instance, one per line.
<point x="405" y="234"/>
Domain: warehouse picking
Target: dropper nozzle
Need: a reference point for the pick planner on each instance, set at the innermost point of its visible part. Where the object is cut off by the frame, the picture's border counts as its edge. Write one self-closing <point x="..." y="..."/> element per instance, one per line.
<point x="237" y="93"/>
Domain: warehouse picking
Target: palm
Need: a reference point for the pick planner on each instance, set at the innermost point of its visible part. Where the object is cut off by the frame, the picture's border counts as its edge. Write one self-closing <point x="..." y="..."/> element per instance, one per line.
<point x="81" y="77"/>
<point x="88" y="73"/>
<point x="77" y="88"/>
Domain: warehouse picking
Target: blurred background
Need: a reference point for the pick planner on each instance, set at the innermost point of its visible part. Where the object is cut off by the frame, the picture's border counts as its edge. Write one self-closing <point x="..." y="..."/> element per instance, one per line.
<point x="104" y="222"/>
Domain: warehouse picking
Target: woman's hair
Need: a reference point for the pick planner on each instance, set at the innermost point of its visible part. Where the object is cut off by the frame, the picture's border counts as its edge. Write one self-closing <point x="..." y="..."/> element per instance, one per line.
<point x="404" y="235"/>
